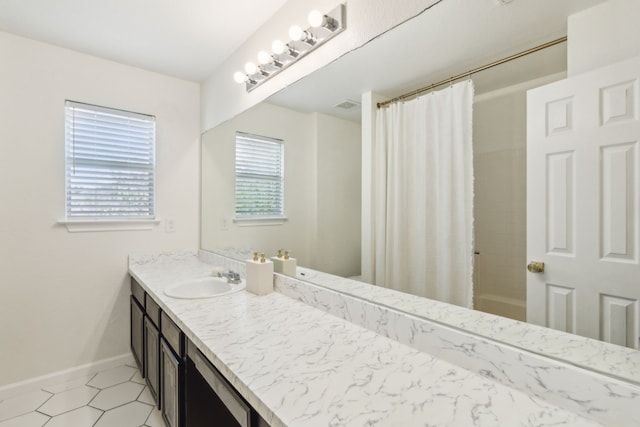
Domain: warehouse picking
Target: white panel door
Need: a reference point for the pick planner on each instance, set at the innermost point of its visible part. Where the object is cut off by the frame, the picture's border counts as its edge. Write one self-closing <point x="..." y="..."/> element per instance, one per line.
<point x="583" y="204"/>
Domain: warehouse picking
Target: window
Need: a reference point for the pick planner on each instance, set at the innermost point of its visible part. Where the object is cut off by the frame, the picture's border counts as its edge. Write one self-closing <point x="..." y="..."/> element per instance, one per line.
<point x="259" y="177"/>
<point x="110" y="163"/>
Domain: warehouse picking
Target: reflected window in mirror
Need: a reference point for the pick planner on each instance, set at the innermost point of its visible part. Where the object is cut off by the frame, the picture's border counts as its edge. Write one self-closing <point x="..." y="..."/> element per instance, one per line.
<point x="259" y="169"/>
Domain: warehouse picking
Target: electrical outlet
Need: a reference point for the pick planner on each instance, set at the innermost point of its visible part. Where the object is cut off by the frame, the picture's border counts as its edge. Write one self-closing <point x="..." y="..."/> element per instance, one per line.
<point x="170" y="226"/>
<point x="224" y="224"/>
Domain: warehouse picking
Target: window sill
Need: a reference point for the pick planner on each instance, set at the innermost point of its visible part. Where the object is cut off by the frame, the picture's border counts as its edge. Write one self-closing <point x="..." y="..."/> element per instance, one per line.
<point x="258" y="222"/>
<point x="89" y="225"/>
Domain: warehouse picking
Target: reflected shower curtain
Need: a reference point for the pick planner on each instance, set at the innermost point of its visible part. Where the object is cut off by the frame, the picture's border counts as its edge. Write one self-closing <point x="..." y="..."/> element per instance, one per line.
<point x="423" y="196"/>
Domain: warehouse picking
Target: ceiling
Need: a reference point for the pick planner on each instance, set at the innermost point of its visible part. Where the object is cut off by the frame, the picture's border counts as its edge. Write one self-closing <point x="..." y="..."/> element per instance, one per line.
<point x="188" y="39"/>
<point x="191" y="38"/>
<point x="450" y="38"/>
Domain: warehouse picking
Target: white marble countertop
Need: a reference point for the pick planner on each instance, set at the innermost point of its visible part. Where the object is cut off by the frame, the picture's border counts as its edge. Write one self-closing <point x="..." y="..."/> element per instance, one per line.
<point x="300" y="366"/>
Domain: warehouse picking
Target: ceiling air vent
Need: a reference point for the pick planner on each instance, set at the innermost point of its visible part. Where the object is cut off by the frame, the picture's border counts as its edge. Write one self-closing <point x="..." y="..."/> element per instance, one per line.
<point x="347" y="105"/>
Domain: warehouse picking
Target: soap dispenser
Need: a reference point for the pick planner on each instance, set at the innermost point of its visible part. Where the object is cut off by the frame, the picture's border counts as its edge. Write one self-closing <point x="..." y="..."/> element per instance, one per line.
<point x="284" y="264"/>
<point x="259" y="275"/>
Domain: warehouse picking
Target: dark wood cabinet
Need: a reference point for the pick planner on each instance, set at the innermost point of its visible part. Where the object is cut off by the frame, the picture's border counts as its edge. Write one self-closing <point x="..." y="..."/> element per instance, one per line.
<point x="171" y="388"/>
<point x="171" y="372"/>
<point x="145" y="336"/>
<point x="152" y="357"/>
<point x="210" y="400"/>
<point x="137" y="333"/>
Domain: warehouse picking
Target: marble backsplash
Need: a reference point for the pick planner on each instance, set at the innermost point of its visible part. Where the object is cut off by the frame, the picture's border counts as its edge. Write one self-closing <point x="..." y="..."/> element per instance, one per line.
<point x="599" y="356"/>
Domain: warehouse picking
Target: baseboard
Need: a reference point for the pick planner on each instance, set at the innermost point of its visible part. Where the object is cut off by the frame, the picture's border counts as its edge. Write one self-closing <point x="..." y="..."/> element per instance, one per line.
<point x="22" y="387"/>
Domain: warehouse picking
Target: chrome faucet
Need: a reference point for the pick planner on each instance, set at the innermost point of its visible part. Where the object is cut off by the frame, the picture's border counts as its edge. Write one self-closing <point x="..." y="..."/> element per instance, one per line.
<point x="232" y="277"/>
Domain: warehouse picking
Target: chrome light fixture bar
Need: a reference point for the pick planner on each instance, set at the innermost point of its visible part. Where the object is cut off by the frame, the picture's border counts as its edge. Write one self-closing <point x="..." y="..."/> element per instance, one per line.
<point x="322" y="28"/>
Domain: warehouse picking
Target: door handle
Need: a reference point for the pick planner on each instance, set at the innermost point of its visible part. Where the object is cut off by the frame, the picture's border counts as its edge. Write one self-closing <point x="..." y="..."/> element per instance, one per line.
<point x="536" y="267"/>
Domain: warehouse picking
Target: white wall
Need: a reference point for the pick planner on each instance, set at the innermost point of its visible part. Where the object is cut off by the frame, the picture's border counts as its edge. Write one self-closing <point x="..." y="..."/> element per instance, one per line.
<point x="322" y="188"/>
<point x="222" y="98"/>
<point x="339" y="197"/>
<point x="64" y="296"/>
<point x="602" y="35"/>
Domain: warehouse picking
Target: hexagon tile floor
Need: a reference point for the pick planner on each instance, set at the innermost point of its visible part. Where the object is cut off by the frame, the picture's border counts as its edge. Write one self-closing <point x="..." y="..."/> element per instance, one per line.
<point x="116" y="397"/>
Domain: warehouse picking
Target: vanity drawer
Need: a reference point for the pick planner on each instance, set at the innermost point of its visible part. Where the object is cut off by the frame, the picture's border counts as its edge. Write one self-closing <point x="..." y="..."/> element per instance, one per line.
<point x="153" y="310"/>
<point x="137" y="291"/>
<point x="172" y="334"/>
<point x="218" y="402"/>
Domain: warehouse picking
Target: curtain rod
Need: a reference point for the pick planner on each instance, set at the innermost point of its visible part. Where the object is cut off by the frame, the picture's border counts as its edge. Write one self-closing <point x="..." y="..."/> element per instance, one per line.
<point x="474" y="71"/>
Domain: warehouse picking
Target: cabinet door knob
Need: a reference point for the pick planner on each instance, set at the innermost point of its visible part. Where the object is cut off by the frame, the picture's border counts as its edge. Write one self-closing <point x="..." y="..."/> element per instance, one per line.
<point x="536" y="267"/>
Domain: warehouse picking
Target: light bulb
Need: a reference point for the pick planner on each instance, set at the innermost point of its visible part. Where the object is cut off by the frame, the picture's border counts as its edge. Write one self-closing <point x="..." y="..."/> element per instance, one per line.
<point x="316" y="18"/>
<point x="295" y="33"/>
<point x="278" y="47"/>
<point x="239" y="77"/>
<point x="250" y="68"/>
<point x="264" y="57"/>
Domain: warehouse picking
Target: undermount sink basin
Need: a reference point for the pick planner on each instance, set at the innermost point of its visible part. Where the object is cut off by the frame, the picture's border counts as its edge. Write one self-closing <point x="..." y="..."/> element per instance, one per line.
<point x="204" y="287"/>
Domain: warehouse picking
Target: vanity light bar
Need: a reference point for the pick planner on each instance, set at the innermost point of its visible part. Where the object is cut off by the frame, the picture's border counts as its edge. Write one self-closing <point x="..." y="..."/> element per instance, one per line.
<point x="322" y="28"/>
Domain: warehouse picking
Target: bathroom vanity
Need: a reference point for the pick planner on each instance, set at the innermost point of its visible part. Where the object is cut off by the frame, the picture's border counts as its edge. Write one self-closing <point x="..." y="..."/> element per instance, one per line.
<point x="307" y="356"/>
<point x="185" y="386"/>
<point x="159" y="355"/>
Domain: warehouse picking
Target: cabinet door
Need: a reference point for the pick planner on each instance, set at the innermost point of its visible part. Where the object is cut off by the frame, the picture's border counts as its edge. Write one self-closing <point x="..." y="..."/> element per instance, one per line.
<point x="152" y="354"/>
<point x="137" y="334"/>
<point x="170" y="390"/>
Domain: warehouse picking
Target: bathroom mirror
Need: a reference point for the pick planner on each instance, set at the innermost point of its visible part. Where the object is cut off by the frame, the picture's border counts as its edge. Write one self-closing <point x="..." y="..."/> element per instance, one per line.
<point x="318" y="118"/>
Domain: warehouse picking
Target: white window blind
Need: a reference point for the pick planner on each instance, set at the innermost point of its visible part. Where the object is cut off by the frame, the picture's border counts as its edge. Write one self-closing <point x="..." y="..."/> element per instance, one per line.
<point x="110" y="163"/>
<point x="259" y="176"/>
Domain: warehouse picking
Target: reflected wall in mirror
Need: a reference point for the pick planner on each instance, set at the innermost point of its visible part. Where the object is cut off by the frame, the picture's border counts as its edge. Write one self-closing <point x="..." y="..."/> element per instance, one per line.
<point x="499" y="135"/>
<point x="323" y="184"/>
<point x="322" y="189"/>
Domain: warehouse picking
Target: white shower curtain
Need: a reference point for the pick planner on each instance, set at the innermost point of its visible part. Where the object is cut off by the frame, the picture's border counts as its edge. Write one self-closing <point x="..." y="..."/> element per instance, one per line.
<point x="423" y="196"/>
